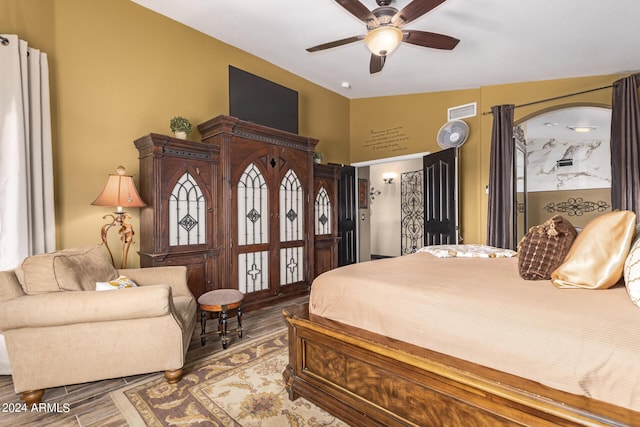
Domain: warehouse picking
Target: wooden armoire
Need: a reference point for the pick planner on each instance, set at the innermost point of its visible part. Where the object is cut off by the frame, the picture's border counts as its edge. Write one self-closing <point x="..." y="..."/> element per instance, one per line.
<point x="179" y="182"/>
<point x="242" y="209"/>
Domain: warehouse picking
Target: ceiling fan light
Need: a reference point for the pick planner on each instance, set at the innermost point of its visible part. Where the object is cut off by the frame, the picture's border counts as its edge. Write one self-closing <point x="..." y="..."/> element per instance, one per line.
<point x="582" y="129"/>
<point x="383" y="40"/>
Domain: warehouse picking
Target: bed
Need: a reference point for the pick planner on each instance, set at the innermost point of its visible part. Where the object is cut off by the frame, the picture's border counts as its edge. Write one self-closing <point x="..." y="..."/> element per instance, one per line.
<point x="426" y="341"/>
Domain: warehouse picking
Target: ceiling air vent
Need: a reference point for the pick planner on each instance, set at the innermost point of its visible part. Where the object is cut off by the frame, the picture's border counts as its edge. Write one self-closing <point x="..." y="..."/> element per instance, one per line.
<point x="462" y="111"/>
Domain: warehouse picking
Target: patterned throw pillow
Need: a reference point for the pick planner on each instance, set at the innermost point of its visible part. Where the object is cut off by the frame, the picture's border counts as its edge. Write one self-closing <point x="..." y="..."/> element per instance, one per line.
<point x="119" y="283"/>
<point x="467" y="251"/>
<point x="544" y="248"/>
<point x="632" y="273"/>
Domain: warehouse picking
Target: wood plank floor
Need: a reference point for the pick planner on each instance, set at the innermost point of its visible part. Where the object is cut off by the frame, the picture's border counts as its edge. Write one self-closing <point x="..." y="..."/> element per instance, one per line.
<point x="89" y="404"/>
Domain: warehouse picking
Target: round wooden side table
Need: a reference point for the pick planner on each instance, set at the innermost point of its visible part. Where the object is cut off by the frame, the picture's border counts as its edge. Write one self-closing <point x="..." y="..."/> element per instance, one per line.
<point x="220" y="302"/>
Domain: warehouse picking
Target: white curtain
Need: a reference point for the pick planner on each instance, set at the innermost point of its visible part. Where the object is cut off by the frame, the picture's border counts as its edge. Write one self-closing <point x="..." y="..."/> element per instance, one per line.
<point x="27" y="222"/>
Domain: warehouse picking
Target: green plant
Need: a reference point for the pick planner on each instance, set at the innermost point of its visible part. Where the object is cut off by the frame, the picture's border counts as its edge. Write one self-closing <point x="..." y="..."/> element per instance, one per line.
<point x="180" y="124"/>
<point x="317" y="155"/>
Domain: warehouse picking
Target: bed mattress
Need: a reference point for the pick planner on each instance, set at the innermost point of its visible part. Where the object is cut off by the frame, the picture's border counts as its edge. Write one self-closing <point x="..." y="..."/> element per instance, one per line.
<point x="585" y="342"/>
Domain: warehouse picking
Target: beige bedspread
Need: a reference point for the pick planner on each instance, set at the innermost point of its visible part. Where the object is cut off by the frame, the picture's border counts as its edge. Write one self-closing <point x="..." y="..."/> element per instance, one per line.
<point x="585" y="342"/>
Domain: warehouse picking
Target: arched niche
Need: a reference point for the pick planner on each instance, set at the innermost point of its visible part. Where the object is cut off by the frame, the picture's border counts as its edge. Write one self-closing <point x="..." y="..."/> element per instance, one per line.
<point x="562" y="165"/>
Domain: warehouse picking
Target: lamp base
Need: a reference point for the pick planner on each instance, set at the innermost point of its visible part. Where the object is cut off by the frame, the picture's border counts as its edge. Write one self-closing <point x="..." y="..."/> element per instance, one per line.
<point x="119" y="219"/>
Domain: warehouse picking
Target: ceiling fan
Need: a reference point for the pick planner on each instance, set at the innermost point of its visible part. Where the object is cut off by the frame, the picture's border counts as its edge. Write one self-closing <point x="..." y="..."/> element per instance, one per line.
<point x="384" y="29"/>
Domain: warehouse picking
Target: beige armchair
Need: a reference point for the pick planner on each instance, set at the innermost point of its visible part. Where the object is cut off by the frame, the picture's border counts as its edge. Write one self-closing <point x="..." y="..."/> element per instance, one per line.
<point x="59" y="330"/>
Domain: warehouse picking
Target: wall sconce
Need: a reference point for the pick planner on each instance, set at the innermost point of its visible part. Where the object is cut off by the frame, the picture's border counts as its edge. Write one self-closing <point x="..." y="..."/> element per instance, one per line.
<point x="388" y="177"/>
<point x="120" y="191"/>
<point x="373" y="193"/>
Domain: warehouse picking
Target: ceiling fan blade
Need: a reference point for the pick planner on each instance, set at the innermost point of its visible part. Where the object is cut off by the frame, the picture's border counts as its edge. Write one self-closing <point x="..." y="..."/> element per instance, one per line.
<point x="358" y="10"/>
<point x="376" y="63"/>
<point x="414" y="10"/>
<point x="335" y="43"/>
<point x="427" y="39"/>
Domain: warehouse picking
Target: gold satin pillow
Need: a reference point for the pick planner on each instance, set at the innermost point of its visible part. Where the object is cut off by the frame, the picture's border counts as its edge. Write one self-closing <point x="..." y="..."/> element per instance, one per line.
<point x="596" y="258"/>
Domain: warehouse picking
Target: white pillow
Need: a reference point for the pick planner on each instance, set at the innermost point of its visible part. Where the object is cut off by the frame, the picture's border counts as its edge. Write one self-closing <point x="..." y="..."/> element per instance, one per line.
<point x="119" y="283"/>
<point x="632" y="273"/>
<point x="468" y="251"/>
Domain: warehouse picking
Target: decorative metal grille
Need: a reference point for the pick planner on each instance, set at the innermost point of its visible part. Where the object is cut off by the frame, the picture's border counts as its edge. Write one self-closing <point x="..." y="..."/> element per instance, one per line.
<point x="187" y="213"/>
<point x="253" y="271"/>
<point x="253" y="196"/>
<point x="323" y="212"/>
<point x="577" y="206"/>
<point x="291" y="265"/>
<point x="412" y="211"/>
<point x="291" y="209"/>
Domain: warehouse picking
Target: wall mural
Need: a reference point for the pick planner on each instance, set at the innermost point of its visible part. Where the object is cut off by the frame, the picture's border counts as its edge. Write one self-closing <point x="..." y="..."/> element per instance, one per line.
<point x="556" y="164"/>
<point x="412" y="211"/>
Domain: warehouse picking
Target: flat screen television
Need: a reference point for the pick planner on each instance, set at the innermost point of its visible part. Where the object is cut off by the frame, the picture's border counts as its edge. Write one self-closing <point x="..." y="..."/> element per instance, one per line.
<point x="258" y="100"/>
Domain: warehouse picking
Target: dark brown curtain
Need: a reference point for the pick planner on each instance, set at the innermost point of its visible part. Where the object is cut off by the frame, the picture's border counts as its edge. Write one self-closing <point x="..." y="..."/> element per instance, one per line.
<point x="501" y="178"/>
<point x="625" y="145"/>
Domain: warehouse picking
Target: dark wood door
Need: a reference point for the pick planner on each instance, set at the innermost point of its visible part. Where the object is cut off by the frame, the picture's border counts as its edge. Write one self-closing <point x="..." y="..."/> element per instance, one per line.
<point x="441" y="198"/>
<point x="347" y="216"/>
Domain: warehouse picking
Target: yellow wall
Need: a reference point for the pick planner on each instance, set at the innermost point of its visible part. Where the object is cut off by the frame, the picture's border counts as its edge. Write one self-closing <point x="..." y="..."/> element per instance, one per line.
<point x="538" y="200"/>
<point x="412" y="123"/>
<point x="120" y="71"/>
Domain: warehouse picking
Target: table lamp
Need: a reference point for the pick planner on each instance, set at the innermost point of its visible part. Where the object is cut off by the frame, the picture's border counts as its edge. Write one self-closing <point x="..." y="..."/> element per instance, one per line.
<point x="120" y="192"/>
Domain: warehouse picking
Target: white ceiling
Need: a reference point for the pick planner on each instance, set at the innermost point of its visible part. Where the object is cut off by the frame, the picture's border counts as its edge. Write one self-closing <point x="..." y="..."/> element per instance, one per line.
<point x="555" y="124"/>
<point x="502" y="41"/>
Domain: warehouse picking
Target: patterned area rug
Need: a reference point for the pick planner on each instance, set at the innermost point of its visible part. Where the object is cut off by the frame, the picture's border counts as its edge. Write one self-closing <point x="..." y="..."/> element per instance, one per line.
<point x="242" y="386"/>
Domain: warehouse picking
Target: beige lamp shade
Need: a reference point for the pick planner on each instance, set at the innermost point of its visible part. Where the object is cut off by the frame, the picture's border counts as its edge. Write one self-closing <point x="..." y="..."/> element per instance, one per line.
<point x="120" y="191"/>
<point x="383" y="40"/>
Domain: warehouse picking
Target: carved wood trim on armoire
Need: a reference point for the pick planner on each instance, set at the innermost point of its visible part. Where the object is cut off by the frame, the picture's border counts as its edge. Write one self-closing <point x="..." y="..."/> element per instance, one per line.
<point x="256" y="193"/>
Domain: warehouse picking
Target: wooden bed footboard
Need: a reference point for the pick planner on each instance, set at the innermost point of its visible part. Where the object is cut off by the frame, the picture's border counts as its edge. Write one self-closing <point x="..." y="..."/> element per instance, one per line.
<point x="367" y="379"/>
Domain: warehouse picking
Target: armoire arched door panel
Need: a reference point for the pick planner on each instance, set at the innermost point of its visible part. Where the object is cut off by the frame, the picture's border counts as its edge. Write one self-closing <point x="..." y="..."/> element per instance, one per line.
<point x="268" y="215"/>
<point x="187" y="202"/>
